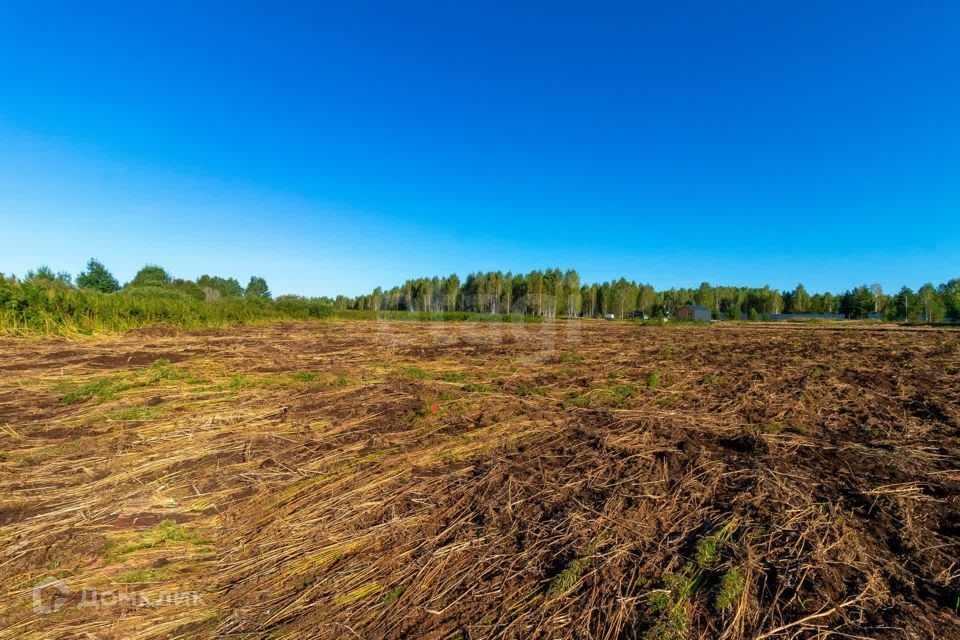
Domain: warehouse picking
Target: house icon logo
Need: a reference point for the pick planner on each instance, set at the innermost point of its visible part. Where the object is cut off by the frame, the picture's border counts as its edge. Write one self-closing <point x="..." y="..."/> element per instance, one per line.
<point x="49" y="595"/>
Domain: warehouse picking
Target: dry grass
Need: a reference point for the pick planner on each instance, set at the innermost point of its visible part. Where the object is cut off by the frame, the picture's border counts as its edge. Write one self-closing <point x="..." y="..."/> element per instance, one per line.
<point x="408" y="480"/>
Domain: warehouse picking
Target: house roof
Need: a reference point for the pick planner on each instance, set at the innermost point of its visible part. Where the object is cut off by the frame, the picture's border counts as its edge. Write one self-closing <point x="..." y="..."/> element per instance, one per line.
<point x="695" y="306"/>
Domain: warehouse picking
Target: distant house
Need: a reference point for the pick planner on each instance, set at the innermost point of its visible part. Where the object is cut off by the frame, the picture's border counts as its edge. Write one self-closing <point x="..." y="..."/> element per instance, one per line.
<point x="694" y="312"/>
<point x="640" y="314"/>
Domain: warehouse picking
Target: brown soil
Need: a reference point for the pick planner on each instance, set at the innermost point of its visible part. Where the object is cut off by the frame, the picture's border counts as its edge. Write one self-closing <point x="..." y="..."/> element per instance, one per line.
<point x="576" y="480"/>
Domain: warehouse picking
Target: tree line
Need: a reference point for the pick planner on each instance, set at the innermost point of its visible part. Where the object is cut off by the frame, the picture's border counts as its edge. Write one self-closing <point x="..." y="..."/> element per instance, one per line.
<point x="548" y="293"/>
<point x="558" y="293"/>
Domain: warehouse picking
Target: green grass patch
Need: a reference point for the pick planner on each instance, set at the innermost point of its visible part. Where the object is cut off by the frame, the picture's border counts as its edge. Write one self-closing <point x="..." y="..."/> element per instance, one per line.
<point x="617" y="396"/>
<point x="101" y="389"/>
<point x="669" y="606"/>
<point x="574" y="399"/>
<point x="572" y="573"/>
<point x="416" y="373"/>
<point x="708" y="549"/>
<point x="166" y="531"/>
<point x="162" y="370"/>
<point x="478" y="388"/>
<point x="624" y="391"/>
<point x="135" y="414"/>
<point x="731" y="588"/>
<point x="104" y="389"/>
<point x="653" y="380"/>
<point x="393" y="595"/>
<point x="240" y="381"/>
<point x="531" y="391"/>
<point x="453" y="377"/>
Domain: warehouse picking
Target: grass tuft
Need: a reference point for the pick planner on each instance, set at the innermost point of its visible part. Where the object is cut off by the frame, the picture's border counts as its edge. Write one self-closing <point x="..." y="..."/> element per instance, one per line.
<point x="531" y="391"/>
<point x="164" y="532"/>
<point x="393" y="595"/>
<point x="653" y="380"/>
<point x="731" y="588"/>
<point x="478" y="388"/>
<point x="708" y="549"/>
<point x="572" y="573"/>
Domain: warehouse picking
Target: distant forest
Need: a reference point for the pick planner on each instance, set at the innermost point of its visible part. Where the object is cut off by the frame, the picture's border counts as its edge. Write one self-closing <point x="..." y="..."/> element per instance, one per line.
<point x="95" y="299"/>
<point x="556" y="293"/>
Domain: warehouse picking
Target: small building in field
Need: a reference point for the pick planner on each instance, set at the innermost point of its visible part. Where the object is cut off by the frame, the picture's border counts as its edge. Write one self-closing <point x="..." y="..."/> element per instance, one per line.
<point x="642" y="315"/>
<point x="694" y="312"/>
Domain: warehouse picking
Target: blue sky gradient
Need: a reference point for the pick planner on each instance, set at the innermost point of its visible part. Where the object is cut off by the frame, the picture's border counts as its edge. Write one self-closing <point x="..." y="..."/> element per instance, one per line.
<point x="334" y="147"/>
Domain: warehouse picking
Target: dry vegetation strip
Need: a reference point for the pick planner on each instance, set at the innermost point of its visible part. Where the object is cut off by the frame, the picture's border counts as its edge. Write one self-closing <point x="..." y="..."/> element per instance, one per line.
<point x="409" y="480"/>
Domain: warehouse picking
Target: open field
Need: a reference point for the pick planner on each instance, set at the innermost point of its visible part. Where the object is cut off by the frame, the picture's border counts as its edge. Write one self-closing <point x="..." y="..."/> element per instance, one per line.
<point x="465" y="480"/>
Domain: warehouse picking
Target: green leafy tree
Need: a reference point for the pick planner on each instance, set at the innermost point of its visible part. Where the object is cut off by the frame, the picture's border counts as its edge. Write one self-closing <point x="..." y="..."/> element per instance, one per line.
<point x="45" y="277"/>
<point x="857" y="303"/>
<point x="621" y="295"/>
<point x="257" y="288"/>
<point x="216" y="287"/>
<point x="866" y="302"/>
<point x="535" y="289"/>
<point x="150" y="276"/>
<point x="571" y="293"/>
<point x="97" y="277"/>
<point x="930" y="303"/>
<point x="801" y="299"/>
<point x="879" y="299"/>
<point x="706" y="296"/>
<point x="904" y="306"/>
<point x="188" y="288"/>
<point x="376" y="299"/>
<point x="950" y="294"/>
<point x="506" y="298"/>
<point x="451" y="291"/>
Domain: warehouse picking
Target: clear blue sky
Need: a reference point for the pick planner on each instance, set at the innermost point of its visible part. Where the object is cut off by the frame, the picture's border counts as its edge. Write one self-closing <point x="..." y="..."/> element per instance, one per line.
<point x="332" y="147"/>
